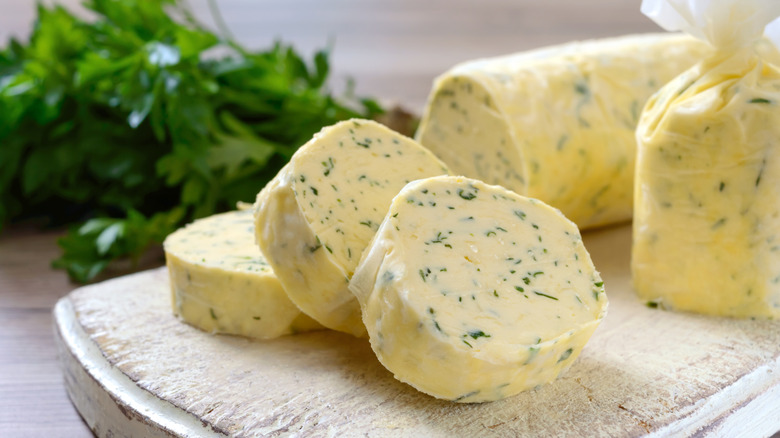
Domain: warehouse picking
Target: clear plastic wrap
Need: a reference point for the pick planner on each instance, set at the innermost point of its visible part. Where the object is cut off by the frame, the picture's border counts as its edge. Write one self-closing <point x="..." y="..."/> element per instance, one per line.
<point x="707" y="185"/>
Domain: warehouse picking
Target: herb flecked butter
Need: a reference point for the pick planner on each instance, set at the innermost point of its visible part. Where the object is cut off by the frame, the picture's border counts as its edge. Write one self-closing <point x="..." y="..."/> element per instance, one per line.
<point x="221" y="283"/>
<point x="472" y="293"/>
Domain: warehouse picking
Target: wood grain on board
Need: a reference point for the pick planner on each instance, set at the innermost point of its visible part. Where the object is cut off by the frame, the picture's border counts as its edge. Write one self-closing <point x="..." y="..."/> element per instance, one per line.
<point x="645" y="371"/>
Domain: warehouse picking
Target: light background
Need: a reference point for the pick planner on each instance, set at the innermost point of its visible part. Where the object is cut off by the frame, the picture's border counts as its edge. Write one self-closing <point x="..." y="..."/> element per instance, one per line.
<point x="395" y="48"/>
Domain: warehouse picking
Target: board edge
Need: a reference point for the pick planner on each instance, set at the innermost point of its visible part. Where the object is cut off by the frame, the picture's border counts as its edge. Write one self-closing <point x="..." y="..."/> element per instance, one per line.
<point x="108" y="401"/>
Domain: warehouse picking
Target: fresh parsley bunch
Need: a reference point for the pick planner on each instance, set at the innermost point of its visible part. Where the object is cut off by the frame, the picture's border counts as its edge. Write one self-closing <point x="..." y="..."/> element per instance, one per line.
<point x="127" y="120"/>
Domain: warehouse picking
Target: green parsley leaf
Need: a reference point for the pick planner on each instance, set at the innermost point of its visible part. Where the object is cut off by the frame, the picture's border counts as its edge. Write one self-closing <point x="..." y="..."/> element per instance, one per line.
<point x="125" y="120"/>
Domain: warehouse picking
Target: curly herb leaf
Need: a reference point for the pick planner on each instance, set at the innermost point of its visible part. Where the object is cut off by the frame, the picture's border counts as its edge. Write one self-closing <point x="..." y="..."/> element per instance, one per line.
<point x="125" y="120"/>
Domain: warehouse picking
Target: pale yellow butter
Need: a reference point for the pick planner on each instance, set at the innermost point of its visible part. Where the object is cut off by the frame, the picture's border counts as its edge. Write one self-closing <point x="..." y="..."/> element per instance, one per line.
<point x="318" y="214"/>
<point x="707" y="213"/>
<point x="558" y="123"/>
<point x="221" y="283"/>
<point x="472" y="293"/>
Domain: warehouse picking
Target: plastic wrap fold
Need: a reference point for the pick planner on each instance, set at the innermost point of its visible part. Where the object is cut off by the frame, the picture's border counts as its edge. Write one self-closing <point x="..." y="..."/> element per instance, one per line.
<point x="707" y="185"/>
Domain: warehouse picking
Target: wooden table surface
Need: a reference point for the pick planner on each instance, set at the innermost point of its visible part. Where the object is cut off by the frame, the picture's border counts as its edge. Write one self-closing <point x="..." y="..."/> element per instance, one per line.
<point x="392" y="48"/>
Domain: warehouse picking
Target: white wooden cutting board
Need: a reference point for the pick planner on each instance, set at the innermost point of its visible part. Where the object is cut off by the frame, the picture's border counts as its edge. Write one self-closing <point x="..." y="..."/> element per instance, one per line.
<point x="132" y="369"/>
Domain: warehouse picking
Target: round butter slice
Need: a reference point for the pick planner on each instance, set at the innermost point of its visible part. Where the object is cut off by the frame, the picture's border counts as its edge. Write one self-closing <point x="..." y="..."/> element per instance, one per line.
<point x="221" y="283"/>
<point x="472" y="293"/>
<point x="315" y="218"/>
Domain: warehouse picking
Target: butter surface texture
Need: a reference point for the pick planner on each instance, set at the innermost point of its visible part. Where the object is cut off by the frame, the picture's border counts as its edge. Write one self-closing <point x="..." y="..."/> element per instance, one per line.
<point x="473" y="293"/>
<point x="221" y="283"/>
<point x="707" y="214"/>
<point x="556" y="124"/>
<point x="315" y="218"/>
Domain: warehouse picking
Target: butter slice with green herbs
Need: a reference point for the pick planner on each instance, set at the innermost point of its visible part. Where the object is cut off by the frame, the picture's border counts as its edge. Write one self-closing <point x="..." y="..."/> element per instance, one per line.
<point x="315" y="218"/>
<point x="472" y="293"/>
<point x="556" y="124"/>
<point x="221" y="283"/>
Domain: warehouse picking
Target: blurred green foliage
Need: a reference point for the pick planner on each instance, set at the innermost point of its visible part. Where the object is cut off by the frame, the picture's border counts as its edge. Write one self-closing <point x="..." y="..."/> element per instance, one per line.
<point x="125" y="121"/>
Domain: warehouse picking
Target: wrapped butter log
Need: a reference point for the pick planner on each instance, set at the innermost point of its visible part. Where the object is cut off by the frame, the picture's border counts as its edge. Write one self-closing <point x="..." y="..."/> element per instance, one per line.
<point x="221" y="283"/>
<point x="315" y="218"/>
<point x="707" y="213"/>
<point x="472" y="293"/>
<point x="555" y="124"/>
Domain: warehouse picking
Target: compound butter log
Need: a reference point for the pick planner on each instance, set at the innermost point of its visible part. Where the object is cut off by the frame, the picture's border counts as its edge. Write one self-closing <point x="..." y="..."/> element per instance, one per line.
<point x="221" y="283"/>
<point x="315" y="218"/>
<point x="707" y="212"/>
<point x="472" y="293"/>
<point x="556" y="124"/>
